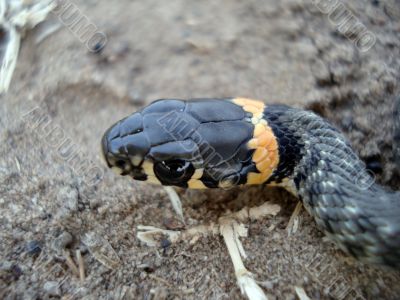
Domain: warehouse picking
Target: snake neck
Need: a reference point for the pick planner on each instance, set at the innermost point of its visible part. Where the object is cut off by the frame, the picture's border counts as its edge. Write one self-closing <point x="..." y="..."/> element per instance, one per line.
<point x="362" y="217"/>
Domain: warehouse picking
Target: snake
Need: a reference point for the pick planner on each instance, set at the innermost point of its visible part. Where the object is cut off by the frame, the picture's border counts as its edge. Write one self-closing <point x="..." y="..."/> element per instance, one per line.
<point x="222" y="143"/>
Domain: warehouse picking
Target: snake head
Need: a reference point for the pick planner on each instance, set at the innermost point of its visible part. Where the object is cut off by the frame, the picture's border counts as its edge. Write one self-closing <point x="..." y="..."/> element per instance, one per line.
<point x="203" y="143"/>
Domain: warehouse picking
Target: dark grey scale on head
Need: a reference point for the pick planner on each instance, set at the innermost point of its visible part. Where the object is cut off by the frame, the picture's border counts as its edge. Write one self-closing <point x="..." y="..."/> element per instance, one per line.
<point x="289" y="144"/>
<point x="161" y="130"/>
<point x="245" y="157"/>
<point x="215" y="110"/>
<point x="165" y="121"/>
<point x="221" y="136"/>
<point x="186" y="150"/>
<point x="246" y="169"/>
<point x="117" y="143"/>
<point x="164" y="105"/>
<point x="131" y="125"/>
<point x="221" y="126"/>
<point x="141" y="142"/>
<point x="220" y="158"/>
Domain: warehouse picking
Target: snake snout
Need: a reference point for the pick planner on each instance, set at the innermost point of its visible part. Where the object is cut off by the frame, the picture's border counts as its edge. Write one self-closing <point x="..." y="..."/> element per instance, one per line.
<point x="104" y="149"/>
<point x="114" y="152"/>
<point x="115" y="160"/>
<point x="124" y="147"/>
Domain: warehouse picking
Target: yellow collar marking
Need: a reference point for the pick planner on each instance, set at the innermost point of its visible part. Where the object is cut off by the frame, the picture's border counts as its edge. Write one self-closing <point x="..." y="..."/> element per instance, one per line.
<point x="266" y="154"/>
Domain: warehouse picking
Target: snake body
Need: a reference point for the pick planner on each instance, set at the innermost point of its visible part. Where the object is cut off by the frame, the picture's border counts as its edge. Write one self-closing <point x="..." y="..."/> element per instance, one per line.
<point x="219" y="143"/>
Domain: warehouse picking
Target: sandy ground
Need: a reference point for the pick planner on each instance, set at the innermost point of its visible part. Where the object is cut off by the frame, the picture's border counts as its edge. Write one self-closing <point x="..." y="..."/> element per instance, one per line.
<point x="278" y="51"/>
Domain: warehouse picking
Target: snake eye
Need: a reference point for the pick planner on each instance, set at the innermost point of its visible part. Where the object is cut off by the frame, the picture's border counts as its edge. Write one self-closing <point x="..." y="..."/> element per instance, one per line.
<point x="174" y="171"/>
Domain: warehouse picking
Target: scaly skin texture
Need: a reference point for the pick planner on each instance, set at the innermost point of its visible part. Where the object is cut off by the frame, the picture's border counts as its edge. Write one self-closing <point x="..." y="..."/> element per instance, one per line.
<point x="168" y="143"/>
<point x="361" y="216"/>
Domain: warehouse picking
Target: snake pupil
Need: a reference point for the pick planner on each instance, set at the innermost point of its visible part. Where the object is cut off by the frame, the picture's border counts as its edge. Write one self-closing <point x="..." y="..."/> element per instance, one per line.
<point x="174" y="171"/>
<point x="177" y="167"/>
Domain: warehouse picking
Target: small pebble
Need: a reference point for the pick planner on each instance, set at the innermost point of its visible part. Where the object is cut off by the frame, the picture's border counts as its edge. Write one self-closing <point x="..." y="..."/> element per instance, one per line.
<point x="52" y="288"/>
<point x="142" y="275"/>
<point x="135" y="97"/>
<point x="321" y="72"/>
<point x="16" y="272"/>
<point x="269" y="285"/>
<point x="6" y="265"/>
<point x="68" y="197"/>
<point x="146" y="267"/>
<point x="173" y="223"/>
<point x="98" y="47"/>
<point x="10" y="268"/>
<point x="33" y="247"/>
<point x="165" y="243"/>
<point x="62" y="241"/>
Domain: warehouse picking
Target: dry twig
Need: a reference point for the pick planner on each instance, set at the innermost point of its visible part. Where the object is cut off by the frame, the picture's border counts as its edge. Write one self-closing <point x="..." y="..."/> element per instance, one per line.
<point x="81" y="265"/>
<point x="293" y="223"/>
<point x="231" y="230"/>
<point x="16" y="17"/>
<point x="70" y="263"/>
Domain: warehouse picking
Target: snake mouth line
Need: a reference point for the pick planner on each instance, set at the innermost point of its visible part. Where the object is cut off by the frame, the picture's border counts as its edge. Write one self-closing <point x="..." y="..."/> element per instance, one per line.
<point x="124" y="167"/>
